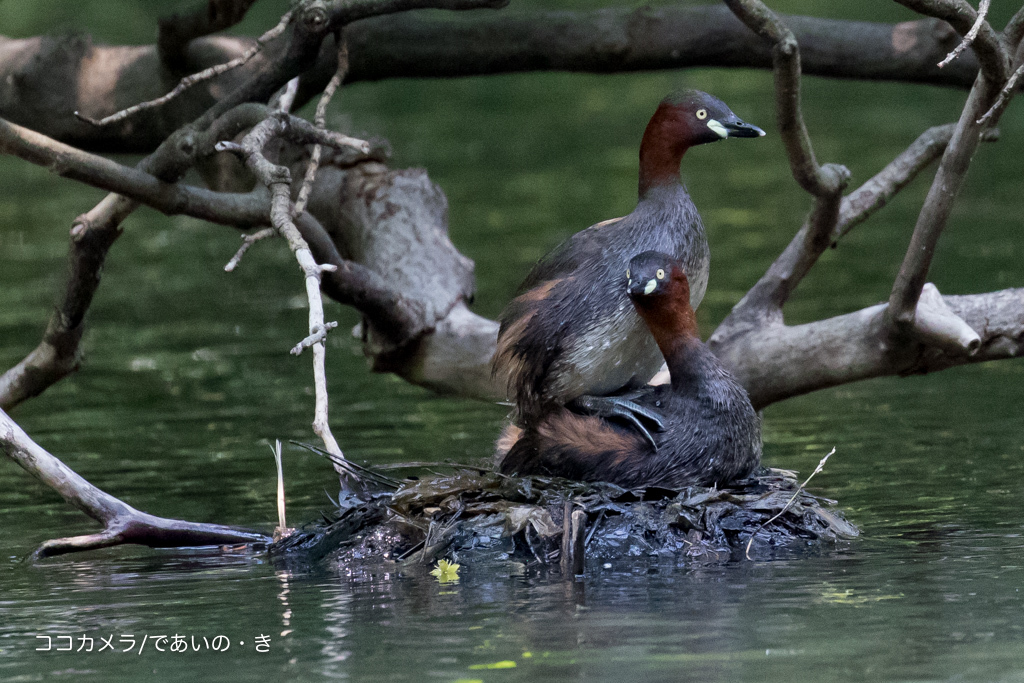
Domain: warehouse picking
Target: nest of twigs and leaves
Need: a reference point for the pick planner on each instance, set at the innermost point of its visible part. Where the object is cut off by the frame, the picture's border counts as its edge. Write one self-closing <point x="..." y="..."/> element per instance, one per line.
<point x="475" y="510"/>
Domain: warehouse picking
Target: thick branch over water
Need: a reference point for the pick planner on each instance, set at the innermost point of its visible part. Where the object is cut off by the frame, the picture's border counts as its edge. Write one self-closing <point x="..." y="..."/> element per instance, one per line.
<point x="122" y="523"/>
<point x="43" y="80"/>
<point x="782" y="361"/>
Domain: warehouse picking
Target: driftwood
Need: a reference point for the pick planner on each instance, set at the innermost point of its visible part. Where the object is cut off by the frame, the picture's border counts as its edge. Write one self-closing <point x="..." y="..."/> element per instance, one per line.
<point x="121" y="522"/>
<point x="43" y="79"/>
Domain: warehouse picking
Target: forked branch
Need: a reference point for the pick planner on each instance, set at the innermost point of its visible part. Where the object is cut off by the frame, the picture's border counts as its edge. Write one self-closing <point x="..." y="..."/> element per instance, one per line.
<point x="278" y="180"/>
<point x="977" y="32"/>
<point x="820" y="181"/>
<point x="938" y="205"/>
<point x="825" y="183"/>
<point x="188" y="81"/>
<point x="884" y="339"/>
<point x="122" y="523"/>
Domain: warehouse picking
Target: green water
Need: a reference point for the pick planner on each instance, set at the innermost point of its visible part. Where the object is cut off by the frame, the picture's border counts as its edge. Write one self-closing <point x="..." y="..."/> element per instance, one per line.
<point x="187" y="375"/>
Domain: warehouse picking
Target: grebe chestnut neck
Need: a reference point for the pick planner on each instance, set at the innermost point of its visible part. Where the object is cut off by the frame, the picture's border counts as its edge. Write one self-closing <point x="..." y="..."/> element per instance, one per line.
<point x="711" y="434"/>
<point x="571" y="337"/>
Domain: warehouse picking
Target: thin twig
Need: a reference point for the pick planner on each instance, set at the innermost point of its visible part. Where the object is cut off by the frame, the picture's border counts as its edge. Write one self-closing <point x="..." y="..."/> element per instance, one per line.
<point x="198" y="77"/>
<point x="320" y="121"/>
<point x="1004" y="96"/>
<point x="971" y="35"/>
<point x="821" y="465"/>
<point x="317" y="337"/>
<point x="985" y="42"/>
<point x="248" y="241"/>
<point x="355" y="467"/>
<point x="938" y="205"/>
<point x="278" y="180"/>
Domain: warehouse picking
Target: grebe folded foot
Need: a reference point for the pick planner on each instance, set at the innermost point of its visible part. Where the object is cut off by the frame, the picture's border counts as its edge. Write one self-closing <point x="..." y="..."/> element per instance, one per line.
<point x="622" y="407"/>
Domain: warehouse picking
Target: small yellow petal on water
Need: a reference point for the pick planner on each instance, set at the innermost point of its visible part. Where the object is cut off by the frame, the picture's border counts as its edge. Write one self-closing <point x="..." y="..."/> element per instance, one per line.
<point x="507" y="664"/>
<point x="446" y="571"/>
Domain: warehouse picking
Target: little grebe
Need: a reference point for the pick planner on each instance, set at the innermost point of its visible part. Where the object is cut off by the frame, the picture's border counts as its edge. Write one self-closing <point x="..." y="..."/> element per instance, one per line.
<point x="571" y="337"/>
<point x="711" y="434"/>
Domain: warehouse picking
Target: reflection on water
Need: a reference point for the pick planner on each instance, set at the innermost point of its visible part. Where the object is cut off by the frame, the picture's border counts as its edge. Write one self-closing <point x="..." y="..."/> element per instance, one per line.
<point x="187" y="377"/>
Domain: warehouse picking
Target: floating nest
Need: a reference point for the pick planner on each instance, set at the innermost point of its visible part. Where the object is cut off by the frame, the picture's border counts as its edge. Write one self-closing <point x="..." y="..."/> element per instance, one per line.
<point x="473" y="511"/>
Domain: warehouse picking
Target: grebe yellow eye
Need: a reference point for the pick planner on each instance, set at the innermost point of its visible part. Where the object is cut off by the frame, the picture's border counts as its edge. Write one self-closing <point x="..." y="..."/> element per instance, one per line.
<point x="627" y="274"/>
<point x="660" y="274"/>
<point x="702" y="114"/>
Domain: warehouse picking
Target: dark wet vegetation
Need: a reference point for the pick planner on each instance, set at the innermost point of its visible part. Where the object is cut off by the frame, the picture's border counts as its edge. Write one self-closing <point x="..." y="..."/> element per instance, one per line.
<point x="474" y="514"/>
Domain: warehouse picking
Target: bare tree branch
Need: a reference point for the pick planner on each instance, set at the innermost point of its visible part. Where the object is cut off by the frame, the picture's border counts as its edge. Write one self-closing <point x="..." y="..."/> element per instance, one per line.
<point x="57" y="355"/>
<point x="1013" y="32"/>
<point x="320" y="121"/>
<point x="122" y="523"/>
<point x="1008" y="91"/>
<point x="243" y="210"/>
<point x="820" y="181"/>
<point x="278" y="180"/>
<point x="982" y="109"/>
<point x="92" y="235"/>
<point x="763" y="303"/>
<point x="860" y="204"/>
<point x="188" y="81"/>
<point x="317" y="18"/>
<point x="861" y="344"/>
<point x="612" y="40"/>
<point x="178" y="30"/>
<point x="247" y="242"/>
<point x="788" y="361"/>
<point x="394" y="316"/>
<point x="970" y="36"/>
<point x="42" y="80"/>
<point x="961" y="16"/>
<point x="938" y="205"/>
